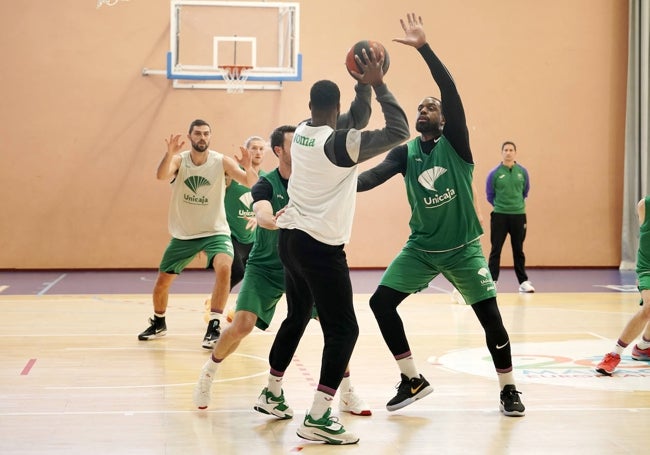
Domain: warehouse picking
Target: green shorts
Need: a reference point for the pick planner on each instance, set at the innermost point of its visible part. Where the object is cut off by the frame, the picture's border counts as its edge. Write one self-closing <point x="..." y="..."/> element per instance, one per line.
<point x="179" y="253"/>
<point x="644" y="281"/>
<point x="260" y="292"/>
<point x="465" y="268"/>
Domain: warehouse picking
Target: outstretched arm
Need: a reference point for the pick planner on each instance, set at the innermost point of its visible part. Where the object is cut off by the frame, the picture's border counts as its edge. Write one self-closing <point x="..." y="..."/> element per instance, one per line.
<point x="393" y="164"/>
<point x="455" y="129"/>
<point x="262" y="193"/>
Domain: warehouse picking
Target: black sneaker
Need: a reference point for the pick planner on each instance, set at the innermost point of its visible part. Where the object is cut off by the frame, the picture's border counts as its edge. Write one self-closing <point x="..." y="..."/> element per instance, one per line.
<point x="409" y="390"/>
<point x="212" y="334"/>
<point x="511" y="405"/>
<point x="157" y="328"/>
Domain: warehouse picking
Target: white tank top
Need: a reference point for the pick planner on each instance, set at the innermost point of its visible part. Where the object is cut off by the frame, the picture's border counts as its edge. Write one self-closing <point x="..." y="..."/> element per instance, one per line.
<point x="196" y="208"/>
<point x="322" y="196"/>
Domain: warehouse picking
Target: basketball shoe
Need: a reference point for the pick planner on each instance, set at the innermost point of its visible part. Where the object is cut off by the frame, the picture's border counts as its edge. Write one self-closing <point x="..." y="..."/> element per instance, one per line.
<point x="510" y="403"/>
<point x="212" y="334"/>
<point x="202" y="389"/>
<point x="608" y="364"/>
<point x="351" y="402"/>
<point x="526" y="287"/>
<point x="408" y="391"/>
<point x="157" y="328"/>
<point x="640" y="354"/>
<point x="267" y="403"/>
<point x="326" y="429"/>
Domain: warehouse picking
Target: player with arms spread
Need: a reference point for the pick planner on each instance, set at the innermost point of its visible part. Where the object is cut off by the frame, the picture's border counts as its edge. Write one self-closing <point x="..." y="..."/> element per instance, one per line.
<point x="445" y="230"/>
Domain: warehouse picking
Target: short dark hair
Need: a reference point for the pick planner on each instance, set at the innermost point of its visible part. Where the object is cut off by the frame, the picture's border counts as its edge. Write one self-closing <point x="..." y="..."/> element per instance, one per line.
<point x="277" y="136"/>
<point x="509" y="143"/>
<point x="324" y="95"/>
<point x="199" y="122"/>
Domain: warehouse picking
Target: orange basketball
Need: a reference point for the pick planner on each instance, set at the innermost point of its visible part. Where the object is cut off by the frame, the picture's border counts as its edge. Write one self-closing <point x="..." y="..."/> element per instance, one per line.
<point x="351" y="63"/>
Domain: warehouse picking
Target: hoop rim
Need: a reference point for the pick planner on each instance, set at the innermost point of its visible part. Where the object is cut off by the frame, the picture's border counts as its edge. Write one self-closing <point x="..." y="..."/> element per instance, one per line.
<point x="235" y="76"/>
<point x="235" y="70"/>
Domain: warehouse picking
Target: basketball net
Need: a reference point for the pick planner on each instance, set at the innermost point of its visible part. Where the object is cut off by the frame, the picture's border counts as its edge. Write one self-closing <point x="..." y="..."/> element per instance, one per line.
<point x="235" y="77"/>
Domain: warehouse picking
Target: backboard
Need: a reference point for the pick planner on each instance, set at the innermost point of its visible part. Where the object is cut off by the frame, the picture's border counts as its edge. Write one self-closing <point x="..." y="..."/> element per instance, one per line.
<point x="208" y="35"/>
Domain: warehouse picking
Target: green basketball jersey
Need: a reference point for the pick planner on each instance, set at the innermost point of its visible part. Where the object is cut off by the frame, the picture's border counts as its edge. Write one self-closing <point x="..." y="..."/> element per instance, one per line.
<point x="265" y="248"/>
<point x="643" y="254"/>
<point x="238" y="202"/>
<point x="439" y="191"/>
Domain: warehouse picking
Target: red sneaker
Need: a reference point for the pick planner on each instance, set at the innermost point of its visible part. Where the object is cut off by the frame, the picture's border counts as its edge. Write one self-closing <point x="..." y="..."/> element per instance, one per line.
<point x="640" y="354"/>
<point x="608" y="364"/>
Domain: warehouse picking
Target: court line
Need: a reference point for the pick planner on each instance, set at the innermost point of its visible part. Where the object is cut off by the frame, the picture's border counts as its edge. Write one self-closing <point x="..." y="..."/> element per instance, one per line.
<point x="153" y="386"/>
<point x="376" y="412"/>
<point x="28" y="367"/>
<point x="51" y="284"/>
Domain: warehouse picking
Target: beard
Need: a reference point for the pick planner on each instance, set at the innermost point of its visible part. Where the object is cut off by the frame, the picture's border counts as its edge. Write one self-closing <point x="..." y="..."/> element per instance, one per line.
<point x="428" y="127"/>
<point x="200" y="146"/>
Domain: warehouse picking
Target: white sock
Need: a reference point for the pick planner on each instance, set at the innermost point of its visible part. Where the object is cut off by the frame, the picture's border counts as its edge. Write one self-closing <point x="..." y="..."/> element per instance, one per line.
<point x="275" y="385"/>
<point x="407" y="367"/>
<point x="643" y="344"/>
<point x="345" y="385"/>
<point x="210" y="365"/>
<point x="505" y="379"/>
<point x="619" y="348"/>
<point x="215" y="315"/>
<point x="159" y="316"/>
<point x="322" y="402"/>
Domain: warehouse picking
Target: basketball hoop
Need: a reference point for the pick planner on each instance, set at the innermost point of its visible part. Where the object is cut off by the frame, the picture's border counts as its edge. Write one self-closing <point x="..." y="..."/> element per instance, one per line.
<point x="235" y="77"/>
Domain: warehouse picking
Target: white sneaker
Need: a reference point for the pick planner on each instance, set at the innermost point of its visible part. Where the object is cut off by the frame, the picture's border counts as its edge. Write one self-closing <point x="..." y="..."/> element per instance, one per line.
<point x="526" y="286"/>
<point x="354" y="404"/>
<point x="326" y="429"/>
<point x="267" y="403"/>
<point x="202" y="389"/>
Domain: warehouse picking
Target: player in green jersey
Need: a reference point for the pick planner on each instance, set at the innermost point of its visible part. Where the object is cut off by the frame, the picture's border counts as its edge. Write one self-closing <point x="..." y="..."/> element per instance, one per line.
<point x="264" y="286"/>
<point x="445" y="230"/>
<point x="640" y="322"/>
<point x="238" y="202"/>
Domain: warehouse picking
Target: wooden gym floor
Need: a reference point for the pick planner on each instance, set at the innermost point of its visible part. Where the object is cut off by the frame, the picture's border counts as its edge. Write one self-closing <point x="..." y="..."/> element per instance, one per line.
<point x="74" y="379"/>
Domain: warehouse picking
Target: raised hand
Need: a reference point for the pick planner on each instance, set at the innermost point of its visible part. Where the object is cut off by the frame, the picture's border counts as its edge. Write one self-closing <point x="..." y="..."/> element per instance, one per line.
<point x="174" y="144"/>
<point x="371" y="67"/>
<point x="246" y="160"/>
<point x="413" y="31"/>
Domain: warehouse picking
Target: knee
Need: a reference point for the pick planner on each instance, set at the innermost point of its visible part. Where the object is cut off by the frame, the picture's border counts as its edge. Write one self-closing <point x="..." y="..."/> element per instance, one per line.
<point x="645" y="311"/>
<point x="375" y="304"/>
<point x="164" y="281"/>
<point x="380" y="307"/>
<point x="243" y="323"/>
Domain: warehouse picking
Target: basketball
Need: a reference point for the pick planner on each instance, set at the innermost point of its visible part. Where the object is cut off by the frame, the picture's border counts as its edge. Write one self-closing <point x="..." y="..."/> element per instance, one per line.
<point x="351" y="63"/>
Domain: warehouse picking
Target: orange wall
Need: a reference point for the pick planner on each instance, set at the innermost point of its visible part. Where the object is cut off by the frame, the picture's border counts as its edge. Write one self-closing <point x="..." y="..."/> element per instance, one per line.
<point x="83" y="130"/>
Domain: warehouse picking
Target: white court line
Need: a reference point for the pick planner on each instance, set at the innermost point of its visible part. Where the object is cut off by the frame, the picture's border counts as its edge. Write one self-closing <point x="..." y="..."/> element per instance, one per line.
<point x="154" y="386"/>
<point x="376" y="412"/>
<point x="49" y="285"/>
<point x="152" y="280"/>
